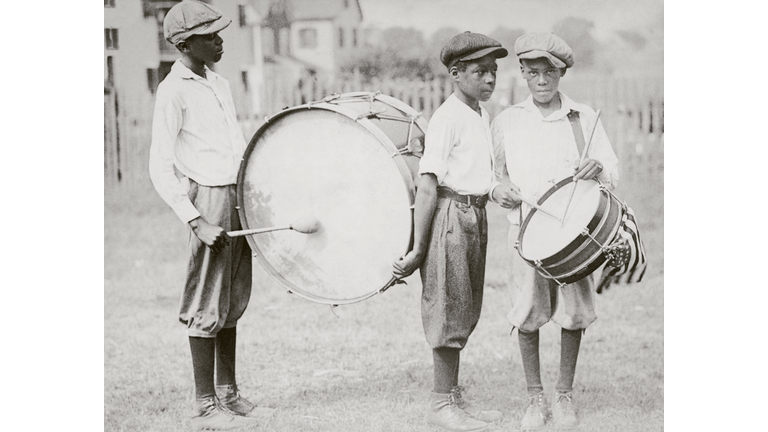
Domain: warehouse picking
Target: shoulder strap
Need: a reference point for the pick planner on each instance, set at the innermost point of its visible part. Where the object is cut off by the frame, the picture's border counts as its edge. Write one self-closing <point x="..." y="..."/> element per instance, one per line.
<point x="573" y="117"/>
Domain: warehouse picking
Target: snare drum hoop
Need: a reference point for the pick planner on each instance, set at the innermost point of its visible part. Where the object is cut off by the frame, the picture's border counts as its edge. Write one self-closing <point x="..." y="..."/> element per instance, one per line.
<point x="383" y="139"/>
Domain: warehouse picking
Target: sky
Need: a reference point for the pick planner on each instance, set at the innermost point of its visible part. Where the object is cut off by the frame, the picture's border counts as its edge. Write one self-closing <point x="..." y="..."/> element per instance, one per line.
<point x="483" y="16"/>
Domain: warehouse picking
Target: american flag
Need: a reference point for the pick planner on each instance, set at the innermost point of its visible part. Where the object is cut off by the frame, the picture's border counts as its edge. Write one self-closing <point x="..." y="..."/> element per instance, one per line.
<point x="627" y="262"/>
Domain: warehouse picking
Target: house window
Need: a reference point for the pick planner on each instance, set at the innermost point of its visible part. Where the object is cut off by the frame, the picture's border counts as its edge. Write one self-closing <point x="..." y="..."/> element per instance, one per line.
<point x="346" y="4"/>
<point x="308" y="38"/>
<point x="341" y="37"/>
<point x="110" y="71"/>
<point x="110" y="38"/>
<point x="152" y="80"/>
<point x="354" y="37"/>
<point x="241" y="15"/>
<point x="109" y="3"/>
<point x="244" y="77"/>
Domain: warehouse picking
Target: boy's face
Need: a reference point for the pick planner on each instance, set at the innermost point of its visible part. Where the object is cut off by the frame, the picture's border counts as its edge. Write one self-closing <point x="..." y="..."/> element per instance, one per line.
<point x="479" y="79"/>
<point x="543" y="79"/>
<point x="205" y="48"/>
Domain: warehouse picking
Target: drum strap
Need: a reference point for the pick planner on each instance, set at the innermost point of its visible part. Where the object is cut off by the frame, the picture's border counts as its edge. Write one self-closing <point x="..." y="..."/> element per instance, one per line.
<point x="573" y="117"/>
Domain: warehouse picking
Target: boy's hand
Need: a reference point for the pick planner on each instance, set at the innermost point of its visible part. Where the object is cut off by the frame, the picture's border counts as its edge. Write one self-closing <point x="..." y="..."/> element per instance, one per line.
<point x="507" y="195"/>
<point x="213" y="236"/>
<point x="588" y="170"/>
<point x="406" y="265"/>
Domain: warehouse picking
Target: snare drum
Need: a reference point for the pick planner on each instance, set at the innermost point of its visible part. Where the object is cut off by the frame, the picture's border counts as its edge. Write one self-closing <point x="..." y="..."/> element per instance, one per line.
<point x="351" y="162"/>
<point x="574" y="249"/>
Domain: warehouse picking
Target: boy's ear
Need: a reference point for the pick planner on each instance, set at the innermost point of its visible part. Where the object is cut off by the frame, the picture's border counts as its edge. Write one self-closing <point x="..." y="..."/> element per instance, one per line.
<point x="454" y="72"/>
<point x="182" y="46"/>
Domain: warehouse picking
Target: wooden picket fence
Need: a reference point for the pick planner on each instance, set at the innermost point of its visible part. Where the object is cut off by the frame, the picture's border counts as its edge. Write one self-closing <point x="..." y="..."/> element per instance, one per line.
<point x="632" y="111"/>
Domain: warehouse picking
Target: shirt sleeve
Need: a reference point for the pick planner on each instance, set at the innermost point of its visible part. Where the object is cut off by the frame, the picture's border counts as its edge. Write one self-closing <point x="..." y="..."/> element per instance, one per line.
<point x="499" y="156"/>
<point x="437" y="146"/>
<point x="166" y="124"/>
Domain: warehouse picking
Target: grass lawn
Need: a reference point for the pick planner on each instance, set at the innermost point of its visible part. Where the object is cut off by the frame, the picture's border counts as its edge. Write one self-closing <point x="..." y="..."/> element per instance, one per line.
<point x="366" y="366"/>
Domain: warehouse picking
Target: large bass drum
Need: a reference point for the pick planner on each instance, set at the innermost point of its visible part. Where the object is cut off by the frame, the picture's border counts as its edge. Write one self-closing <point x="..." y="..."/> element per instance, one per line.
<point x="351" y="162"/>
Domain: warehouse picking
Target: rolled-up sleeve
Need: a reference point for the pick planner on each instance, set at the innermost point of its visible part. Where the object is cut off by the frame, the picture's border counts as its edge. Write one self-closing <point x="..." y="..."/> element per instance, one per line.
<point x="166" y="124"/>
<point x="499" y="156"/>
<point x="437" y="147"/>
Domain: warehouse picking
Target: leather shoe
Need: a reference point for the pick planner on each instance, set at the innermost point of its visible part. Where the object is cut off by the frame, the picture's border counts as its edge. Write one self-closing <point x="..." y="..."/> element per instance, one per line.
<point x="212" y="417"/>
<point x="443" y="412"/>
<point x="475" y="413"/>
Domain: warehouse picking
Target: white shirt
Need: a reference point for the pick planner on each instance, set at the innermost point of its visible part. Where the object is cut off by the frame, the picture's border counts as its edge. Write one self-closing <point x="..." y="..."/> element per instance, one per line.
<point x="195" y="132"/>
<point x="458" y="148"/>
<point x="538" y="152"/>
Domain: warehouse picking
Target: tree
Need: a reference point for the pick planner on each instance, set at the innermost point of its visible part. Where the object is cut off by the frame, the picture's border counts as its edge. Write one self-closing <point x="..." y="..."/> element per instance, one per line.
<point x="507" y="37"/>
<point x="577" y="32"/>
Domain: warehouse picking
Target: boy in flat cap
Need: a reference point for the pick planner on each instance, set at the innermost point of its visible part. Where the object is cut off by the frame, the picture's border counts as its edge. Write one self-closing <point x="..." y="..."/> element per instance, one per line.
<point x="450" y="226"/>
<point x="539" y="148"/>
<point x="195" y="133"/>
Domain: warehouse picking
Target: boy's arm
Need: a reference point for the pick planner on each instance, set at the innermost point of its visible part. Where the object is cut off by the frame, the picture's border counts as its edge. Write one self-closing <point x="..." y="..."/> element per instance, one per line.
<point x="426" y="200"/>
<point x="503" y="192"/>
<point x="166" y="124"/>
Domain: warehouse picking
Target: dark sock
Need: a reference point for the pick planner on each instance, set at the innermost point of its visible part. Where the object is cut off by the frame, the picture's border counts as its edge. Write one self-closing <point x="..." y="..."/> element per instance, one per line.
<point x="570" y="340"/>
<point x="456" y="374"/>
<point x="446" y="360"/>
<point x="226" y="342"/>
<point x="529" y="351"/>
<point x="203" y="358"/>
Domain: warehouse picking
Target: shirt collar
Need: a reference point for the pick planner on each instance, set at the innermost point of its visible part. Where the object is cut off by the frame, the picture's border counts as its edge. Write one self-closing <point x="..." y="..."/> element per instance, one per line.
<point x="567" y="104"/>
<point x="182" y="71"/>
<point x="456" y="101"/>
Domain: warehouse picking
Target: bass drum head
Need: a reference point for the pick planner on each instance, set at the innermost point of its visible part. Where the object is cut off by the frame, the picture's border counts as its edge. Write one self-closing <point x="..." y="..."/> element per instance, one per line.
<point x="543" y="236"/>
<point x="319" y="162"/>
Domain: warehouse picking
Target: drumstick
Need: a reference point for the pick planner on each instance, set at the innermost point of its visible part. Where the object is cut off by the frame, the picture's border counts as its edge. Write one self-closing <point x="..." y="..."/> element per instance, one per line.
<point x="581" y="160"/>
<point x="537" y="207"/>
<point x="304" y="225"/>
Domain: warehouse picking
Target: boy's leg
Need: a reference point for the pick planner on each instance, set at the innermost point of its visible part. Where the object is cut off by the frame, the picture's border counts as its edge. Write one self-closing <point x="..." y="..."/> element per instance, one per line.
<point x="458" y="397"/>
<point x="226" y="341"/>
<point x="443" y="410"/>
<point x="209" y="415"/>
<point x="529" y="351"/>
<point x="536" y="413"/>
<point x="563" y="410"/>
<point x="570" y="342"/>
<point x="203" y="360"/>
<point x="446" y="363"/>
<point x="449" y="319"/>
<point x="226" y="384"/>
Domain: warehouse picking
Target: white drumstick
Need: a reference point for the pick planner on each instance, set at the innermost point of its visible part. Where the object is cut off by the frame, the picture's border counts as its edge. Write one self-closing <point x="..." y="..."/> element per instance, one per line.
<point x="304" y="225"/>
<point x="581" y="160"/>
<point x="537" y="207"/>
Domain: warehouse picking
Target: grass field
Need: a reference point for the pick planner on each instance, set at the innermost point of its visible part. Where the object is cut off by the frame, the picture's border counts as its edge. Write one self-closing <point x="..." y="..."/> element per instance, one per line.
<point x="363" y="367"/>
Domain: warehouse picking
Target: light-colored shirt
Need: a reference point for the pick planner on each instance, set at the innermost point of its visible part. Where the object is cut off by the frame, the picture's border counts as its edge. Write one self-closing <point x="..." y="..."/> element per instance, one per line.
<point x="539" y="152"/>
<point x="458" y="148"/>
<point x="195" y="134"/>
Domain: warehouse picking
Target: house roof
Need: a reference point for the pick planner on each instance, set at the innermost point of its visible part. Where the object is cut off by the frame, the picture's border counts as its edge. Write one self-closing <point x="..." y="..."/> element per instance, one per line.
<point x="302" y="10"/>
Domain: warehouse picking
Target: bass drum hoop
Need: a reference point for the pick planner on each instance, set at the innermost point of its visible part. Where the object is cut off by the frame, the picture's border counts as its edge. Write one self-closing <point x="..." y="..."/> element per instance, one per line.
<point x="383" y="139"/>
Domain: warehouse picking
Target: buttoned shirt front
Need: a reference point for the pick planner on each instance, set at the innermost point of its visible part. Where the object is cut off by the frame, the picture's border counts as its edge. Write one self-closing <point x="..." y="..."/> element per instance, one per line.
<point x="195" y="133"/>
<point x="458" y="148"/>
<point x="537" y="152"/>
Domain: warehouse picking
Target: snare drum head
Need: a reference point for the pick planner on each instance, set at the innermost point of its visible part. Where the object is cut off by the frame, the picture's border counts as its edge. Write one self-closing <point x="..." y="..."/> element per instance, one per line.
<point x="319" y="162"/>
<point x="543" y="236"/>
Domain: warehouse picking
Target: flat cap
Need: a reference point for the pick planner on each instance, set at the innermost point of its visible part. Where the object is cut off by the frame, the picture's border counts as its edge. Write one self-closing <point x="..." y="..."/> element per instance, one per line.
<point x="547" y="45"/>
<point x="192" y="17"/>
<point x="470" y="46"/>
